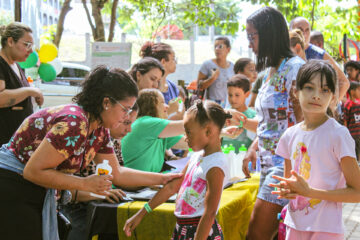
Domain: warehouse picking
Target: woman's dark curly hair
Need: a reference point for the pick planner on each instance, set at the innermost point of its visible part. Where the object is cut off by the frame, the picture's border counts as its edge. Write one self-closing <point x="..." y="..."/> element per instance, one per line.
<point x="147" y="102"/>
<point x="208" y="111"/>
<point x="102" y="82"/>
<point x="144" y="66"/>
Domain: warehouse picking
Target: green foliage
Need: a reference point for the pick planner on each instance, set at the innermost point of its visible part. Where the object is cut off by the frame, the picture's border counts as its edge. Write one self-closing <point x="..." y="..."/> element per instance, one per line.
<point x="48" y="34"/>
<point x="145" y="17"/>
<point x="322" y="17"/>
<point x="6" y="17"/>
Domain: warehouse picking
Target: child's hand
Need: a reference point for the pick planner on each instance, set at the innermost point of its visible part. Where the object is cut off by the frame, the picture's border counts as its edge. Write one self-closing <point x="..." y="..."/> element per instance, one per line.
<point x="132" y="223"/>
<point x="249" y="157"/>
<point x="173" y="106"/>
<point x="237" y="119"/>
<point x="232" y="131"/>
<point x="291" y="187"/>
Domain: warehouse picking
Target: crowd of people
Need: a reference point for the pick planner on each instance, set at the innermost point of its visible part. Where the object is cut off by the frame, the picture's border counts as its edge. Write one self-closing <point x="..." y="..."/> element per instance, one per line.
<point x="293" y="108"/>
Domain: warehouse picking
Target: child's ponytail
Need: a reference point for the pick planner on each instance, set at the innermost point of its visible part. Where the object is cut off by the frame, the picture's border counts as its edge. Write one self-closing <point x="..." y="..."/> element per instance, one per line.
<point x="206" y="111"/>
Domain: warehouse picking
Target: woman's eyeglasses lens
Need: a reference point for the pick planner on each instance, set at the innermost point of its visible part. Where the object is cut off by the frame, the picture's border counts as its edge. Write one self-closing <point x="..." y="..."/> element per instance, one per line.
<point x="28" y="45"/>
<point x="219" y="46"/>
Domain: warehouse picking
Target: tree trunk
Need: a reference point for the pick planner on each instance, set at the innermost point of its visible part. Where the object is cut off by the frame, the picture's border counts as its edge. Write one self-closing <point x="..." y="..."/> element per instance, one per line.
<point x="97" y="5"/>
<point x="89" y="19"/>
<point x="312" y="14"/>
<point x="113" y="20"/>
<point x="60" y="25"/>
<point x="17" y="11"/>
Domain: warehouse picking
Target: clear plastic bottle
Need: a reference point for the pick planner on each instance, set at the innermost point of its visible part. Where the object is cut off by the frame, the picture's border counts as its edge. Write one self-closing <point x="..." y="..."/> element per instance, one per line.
<point x="191" y="152"/>
<point x="232" y="158"/>
<point x="240" y="158"/>
<point x="226" y="151"/>
<point x="103" y="168"/>
<point x="35" y="105"/>
<point x="181" y="104"/>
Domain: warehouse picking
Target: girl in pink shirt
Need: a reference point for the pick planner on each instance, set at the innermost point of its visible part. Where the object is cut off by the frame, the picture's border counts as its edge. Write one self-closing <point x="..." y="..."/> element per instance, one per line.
<point x="320" y="169"/>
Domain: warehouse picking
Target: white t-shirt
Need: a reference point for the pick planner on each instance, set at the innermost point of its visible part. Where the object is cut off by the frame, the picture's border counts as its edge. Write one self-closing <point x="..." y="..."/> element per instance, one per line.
<point x="191" y="196"/>
<point x="316" y="156"/>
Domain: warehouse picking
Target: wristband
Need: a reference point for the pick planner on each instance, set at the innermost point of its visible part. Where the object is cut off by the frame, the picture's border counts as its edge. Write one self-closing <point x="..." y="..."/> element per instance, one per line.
<point x="147" y="208"/>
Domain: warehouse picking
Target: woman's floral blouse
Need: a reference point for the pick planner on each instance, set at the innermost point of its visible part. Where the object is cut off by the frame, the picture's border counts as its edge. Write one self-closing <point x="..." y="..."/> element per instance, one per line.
<point x="66" y="128"/>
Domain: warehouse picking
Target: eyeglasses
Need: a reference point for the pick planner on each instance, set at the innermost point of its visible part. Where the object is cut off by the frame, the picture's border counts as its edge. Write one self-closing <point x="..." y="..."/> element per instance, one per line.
<point x="28" y="45"/>
<point x="219" y="46"/>
<point x="250" y="36"/>
<point x="126" y="110"/>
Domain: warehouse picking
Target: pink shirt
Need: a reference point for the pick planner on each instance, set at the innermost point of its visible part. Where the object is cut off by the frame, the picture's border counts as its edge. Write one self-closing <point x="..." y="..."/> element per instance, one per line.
<point x="316" y="156"/>
<point x="191" y="197"/>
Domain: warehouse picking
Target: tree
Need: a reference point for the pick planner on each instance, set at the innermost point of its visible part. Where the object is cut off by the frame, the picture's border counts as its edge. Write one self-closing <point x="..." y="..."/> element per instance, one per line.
<point x="146" y="17"/>
<point x="60" y="25"/>
<point x="322" y="17"/>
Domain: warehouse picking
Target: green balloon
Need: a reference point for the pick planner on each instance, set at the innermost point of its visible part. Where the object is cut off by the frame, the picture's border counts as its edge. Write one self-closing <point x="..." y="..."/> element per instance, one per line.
<point x="47" y="72"/>
<point x="30" y="61"/>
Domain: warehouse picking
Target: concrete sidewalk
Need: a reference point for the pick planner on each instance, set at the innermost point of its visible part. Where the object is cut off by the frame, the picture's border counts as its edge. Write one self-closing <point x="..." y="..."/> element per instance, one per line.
<point x="351" y="216"/>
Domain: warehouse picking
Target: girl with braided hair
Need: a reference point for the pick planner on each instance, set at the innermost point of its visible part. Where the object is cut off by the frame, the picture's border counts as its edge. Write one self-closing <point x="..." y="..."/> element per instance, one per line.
<point x="205" y="175"/>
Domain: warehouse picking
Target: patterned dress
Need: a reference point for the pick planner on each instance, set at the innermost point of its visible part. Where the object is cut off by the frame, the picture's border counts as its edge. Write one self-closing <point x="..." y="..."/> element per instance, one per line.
<point x="66" y="128"/>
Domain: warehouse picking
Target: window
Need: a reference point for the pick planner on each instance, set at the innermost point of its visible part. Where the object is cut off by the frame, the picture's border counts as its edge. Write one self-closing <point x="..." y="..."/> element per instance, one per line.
<point x="45" y="20"/>
<point x="51" y="20"/>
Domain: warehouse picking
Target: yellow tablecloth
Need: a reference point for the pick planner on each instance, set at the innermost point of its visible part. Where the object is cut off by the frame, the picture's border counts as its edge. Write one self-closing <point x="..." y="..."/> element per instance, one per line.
<point x="234" y="213"/>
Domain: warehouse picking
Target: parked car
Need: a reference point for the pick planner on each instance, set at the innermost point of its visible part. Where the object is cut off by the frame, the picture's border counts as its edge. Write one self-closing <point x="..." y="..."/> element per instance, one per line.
<point x="65" y="86"/>
<point x="72" y="74"/>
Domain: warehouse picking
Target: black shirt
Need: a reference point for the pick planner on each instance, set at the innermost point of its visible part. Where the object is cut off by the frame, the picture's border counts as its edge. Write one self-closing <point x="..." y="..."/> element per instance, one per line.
<point x="12" y="117"/>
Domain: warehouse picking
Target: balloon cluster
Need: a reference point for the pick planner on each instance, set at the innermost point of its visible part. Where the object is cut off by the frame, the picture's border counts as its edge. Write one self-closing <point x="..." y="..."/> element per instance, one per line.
<point x="50" y="65"/>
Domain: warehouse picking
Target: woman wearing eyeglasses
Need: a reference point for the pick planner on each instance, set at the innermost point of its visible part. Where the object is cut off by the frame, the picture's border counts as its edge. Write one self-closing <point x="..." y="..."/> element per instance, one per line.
<point x="15" y="91"/>
<point x="268" y="37"/>
<point x="215" y="73"/>
<point x="166" y="55"/>
<point x="76" y="210"/>
<point x="54" y="143"/>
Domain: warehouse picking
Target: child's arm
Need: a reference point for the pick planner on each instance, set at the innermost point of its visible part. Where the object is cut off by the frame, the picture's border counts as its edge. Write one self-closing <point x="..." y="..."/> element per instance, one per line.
<point x="296" y="185"/>
<point x="215" y="178"/>
<point x="160" y="197"/>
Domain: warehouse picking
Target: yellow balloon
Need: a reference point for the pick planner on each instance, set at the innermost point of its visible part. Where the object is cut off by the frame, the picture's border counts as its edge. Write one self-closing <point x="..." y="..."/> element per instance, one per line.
<point x="47" y="52"/>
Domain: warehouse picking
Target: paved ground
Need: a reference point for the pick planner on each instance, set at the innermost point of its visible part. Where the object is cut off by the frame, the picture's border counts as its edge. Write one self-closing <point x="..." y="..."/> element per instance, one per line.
<point x="351" y="215"/>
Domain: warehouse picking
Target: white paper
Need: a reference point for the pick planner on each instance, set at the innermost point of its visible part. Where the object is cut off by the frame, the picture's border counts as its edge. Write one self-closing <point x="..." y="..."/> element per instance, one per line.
<point x="178" y="164"/>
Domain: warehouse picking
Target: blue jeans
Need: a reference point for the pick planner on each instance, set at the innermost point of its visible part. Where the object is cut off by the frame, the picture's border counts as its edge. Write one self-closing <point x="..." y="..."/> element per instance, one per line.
<point x="265" y="190"/>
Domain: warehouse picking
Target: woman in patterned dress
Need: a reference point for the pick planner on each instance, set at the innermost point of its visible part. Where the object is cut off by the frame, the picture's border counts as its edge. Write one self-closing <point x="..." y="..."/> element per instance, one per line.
<point x="56" y="142"/>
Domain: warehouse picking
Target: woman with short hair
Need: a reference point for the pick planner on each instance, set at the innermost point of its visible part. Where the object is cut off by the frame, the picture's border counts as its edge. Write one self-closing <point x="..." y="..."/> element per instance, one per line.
<point x="15" y="91"/>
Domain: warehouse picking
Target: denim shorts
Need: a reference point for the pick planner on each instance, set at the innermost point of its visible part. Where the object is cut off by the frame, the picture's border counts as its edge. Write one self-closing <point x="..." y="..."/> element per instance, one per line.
<point x="264" y="188"/>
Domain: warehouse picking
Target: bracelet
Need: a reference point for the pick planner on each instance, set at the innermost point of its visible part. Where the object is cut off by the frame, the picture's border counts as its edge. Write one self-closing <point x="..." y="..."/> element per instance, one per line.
<point x="147" y="207"/>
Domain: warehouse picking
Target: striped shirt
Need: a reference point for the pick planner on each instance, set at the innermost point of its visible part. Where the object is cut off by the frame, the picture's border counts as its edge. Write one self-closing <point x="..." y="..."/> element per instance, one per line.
<point x="352" y="117"/>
